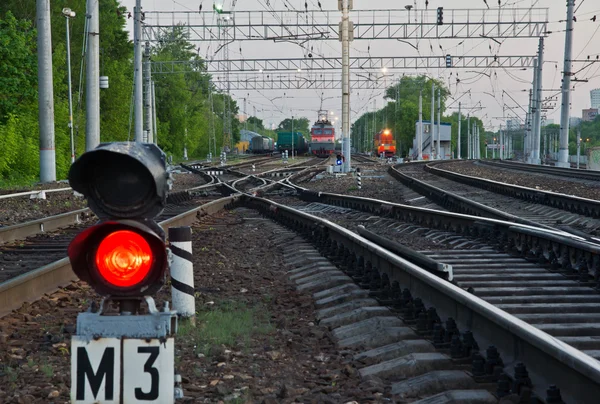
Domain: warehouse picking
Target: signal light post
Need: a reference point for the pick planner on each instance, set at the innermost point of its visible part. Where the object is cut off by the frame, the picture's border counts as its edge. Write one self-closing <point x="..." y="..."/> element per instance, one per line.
<point x="123" y="356"/>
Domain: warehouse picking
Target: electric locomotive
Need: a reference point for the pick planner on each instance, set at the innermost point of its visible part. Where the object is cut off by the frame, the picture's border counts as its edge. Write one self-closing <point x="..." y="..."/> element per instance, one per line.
<point x="322" y="133"/>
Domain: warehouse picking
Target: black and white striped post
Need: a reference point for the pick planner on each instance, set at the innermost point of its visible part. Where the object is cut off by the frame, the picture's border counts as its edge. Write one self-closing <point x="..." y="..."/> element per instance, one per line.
<point x="358" y="179"/>
<point x="182" y="272"/>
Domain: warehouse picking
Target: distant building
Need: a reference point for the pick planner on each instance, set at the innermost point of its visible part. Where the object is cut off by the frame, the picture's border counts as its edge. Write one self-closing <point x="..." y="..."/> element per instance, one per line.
<point x="588" y="115"/>
<point x="445" y="135"/>
<point x="595" y="98"/>
<point x="574" y="121"/>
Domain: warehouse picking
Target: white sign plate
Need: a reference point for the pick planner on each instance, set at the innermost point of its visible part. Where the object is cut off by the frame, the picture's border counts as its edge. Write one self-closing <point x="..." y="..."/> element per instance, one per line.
<point x="95" y="370"/>
<point x="147" y="369"/>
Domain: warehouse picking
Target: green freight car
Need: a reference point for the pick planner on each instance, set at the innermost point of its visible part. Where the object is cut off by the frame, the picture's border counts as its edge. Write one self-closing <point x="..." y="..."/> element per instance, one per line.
<point x="284" y="142"/>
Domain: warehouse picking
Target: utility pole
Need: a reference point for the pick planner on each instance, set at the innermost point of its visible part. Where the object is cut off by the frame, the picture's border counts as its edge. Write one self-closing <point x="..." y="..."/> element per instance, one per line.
<point x="46" y="93"/>
<point x="92" y="81"/>
<point x="533" y="114"/>
<point x="527" y="140"/>
<point x="292" y="137"/>
<point x="148" y="98"/>
<point x="578" y="146"/>
<point x="468" y="136"/>
<point x="432" y="125"/>
<point x="138" y="97"/>
<point x="68" y="13"/>
<point x="459" y="124"/>
<point x="563" y="152"/>
<point x="345" y="8"/>
<point x="420" y="132"/>
<point x="155" y="137"/>
<point x="439" y="126"/>
<point x="538" y="104"/>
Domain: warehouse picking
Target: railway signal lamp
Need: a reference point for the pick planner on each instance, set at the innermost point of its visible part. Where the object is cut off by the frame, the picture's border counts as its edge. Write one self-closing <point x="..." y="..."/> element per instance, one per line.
<point x="126" y="185"/>
<point x="448" y="61"/>
<point x="440" y="16"/>
<point x="338" y="160"/>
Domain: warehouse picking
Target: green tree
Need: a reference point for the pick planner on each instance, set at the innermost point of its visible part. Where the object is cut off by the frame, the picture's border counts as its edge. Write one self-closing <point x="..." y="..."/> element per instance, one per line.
<point x="18" y="70"/>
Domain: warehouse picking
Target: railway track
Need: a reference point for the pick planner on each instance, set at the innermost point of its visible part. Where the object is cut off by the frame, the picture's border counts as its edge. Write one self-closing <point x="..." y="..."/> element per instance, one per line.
<point x="487" y="198"/>
<point x="36" y="265"/>
<point x="545" y="170"/>
<point x="444" y="331"/>
<point x="404" y="319"/>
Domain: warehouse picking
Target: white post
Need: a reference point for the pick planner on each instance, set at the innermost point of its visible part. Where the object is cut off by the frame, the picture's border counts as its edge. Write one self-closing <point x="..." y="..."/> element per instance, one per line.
<point x="346" y="85"/>
<point x="358" y="178"/>
<point x="92" y="82"/>
<point x="138" y="97"/>
<point x="420" y="131"/>
<point x="45" y="93"/>
<point x="459" y="125"/>
<point x="182" y="272"/>
<point x="563" y="152"/>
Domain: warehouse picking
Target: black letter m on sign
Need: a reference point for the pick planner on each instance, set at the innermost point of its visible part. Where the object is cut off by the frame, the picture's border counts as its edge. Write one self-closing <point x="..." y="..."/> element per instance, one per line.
<point x="85" y="371"/>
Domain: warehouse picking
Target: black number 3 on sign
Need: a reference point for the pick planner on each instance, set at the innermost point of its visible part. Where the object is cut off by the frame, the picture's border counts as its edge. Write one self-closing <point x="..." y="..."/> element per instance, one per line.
<point x="148" y="368"/>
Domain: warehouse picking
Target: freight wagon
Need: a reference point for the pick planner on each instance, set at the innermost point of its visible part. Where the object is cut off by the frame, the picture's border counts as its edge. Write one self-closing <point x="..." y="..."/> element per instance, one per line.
<point x="288" y="141"/>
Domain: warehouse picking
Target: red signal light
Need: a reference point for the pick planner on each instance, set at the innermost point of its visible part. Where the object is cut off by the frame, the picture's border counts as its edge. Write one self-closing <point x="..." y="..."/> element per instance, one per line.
<point x="124" y="258"/>
<point x="120" y="259"/>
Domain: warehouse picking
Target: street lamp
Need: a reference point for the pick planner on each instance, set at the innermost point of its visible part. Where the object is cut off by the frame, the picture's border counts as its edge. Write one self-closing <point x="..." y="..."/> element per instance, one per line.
<point x="68" y="13"/>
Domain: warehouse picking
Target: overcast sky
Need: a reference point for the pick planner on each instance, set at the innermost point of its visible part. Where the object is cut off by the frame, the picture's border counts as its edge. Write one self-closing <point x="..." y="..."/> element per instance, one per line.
<point x="274" y="105"/>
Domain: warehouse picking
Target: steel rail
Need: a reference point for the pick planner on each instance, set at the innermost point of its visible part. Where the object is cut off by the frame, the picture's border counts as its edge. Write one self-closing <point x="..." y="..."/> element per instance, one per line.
<point x="553" y="247"/>
<point x="7" y="196"/>
<point x="565" y="172"/>
<point x="575" y="204"/>
<point x="34" y="284"/>
<point x="21" y="230"/>
<point x="548" y="359"/>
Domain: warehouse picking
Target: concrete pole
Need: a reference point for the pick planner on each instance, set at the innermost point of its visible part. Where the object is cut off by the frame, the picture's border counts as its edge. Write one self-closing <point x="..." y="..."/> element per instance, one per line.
<point x="439" y="125"/>
<point x="148" y="97"/>
<point x="538" y="104"/>
<point x="468" y="136"/>
<point x="92" y="81"/>
<point x="527" y="142"/>
<point x="578" y="146"/>
<point x="70" y="87"/>
<point x="458" y="141"/>
<point x="432" y="124"/>
<point x="138" y="97"/>
<point x="46" y="93"/>
<point x="420" y="131"/>
<point x="533" y="113"/>
<point x="346" y="86"/>
<point x="155" y="137"/>
<point x="563" y="152"/>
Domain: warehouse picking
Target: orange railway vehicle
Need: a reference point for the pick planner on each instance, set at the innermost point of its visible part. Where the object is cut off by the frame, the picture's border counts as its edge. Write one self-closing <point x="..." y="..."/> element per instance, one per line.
<point x="384" y="143"/>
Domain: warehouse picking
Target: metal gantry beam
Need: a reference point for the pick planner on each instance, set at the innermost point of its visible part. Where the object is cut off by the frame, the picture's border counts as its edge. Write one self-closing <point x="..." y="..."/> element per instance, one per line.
<point x="289" y="81"/>
<point x="357" y="63"/>
<point x="368" y="24"/>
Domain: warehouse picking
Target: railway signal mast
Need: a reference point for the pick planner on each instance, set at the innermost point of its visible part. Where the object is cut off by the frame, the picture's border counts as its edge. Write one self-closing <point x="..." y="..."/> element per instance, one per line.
<point x="122" y="355"/>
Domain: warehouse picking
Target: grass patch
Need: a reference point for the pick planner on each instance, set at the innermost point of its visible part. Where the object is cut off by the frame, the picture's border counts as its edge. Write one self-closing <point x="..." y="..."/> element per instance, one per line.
<point x="228" y="323"/>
